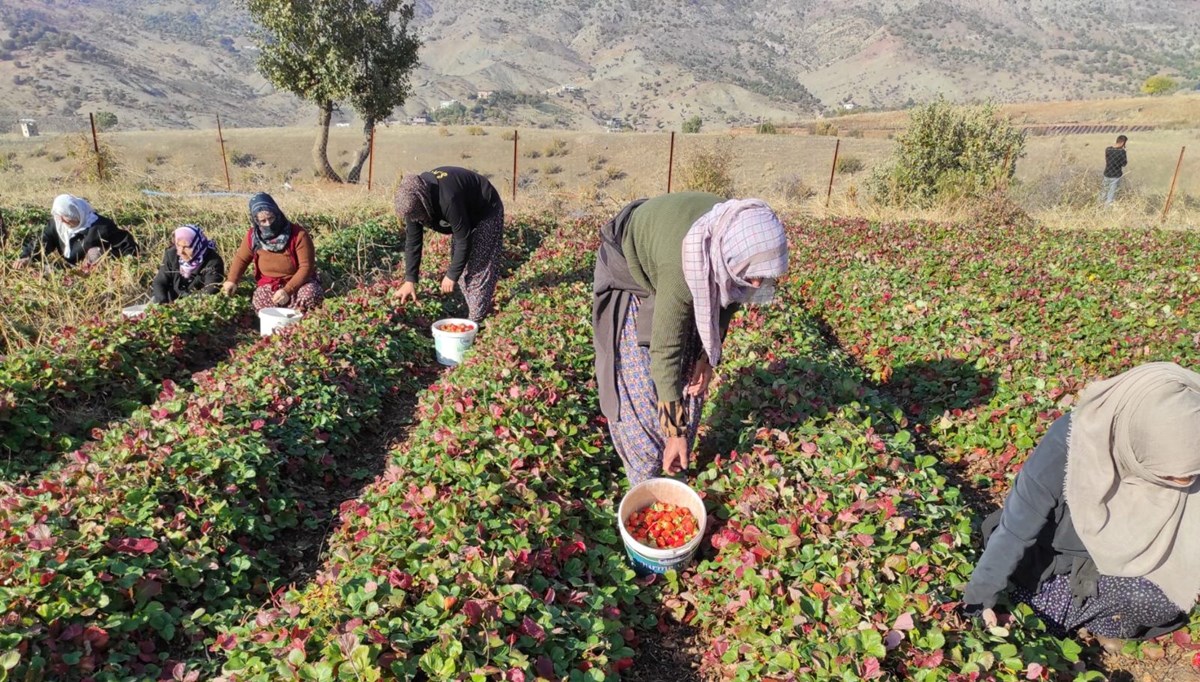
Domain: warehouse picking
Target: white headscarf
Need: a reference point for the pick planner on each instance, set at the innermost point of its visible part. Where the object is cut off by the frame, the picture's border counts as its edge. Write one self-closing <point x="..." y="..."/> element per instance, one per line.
<point x="734" y="242"/>
<point x="1128" y="435"/>
<point x="76" y="209"/>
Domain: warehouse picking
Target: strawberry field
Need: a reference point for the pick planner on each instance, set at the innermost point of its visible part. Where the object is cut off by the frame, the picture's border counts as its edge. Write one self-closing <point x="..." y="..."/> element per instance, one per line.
<point x="220" y="523"/>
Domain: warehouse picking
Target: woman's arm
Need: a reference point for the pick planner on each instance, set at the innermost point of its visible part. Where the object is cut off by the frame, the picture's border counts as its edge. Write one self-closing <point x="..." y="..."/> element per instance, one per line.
<point x="212" y="274"/>
<point x="673" y="323"/>
<point x="454" y="210"/>
<point x="307" y="258"/>
<point x="241" y="261"/>
<point x="109" y="237"/>
<point x="1027" y="509"/>
<point x="414" y="236"/>
<point x="37" y="247"/>
<point x="162" y="279"/>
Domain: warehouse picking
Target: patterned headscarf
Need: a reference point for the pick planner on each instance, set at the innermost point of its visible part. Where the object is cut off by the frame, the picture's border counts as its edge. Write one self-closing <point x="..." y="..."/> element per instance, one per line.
<point x="413" y="200"/>
<point x="75" y="208"/>
<point x="194" y="237"/>
<point x="734" y="242"/>
<point x="1128" y="435"/>
<point x="275" y="237"/>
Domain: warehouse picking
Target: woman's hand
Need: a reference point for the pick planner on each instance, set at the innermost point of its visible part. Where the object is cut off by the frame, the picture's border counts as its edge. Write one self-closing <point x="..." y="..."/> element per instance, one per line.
<point x="228" y="287"/>
<point x="701" y="377"/>
<point x="20" y="263"/>
<point x="447" y="285"/>
<point x="675" y="455"/>
<point x="281" y="297"/>
<point x="408" y="292"/>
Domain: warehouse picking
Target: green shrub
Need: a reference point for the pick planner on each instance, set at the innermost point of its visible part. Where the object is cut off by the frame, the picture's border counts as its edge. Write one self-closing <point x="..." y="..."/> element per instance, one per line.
<point x="849" y="164"/>
<point x="823" y="128"/>
<point x="708" y="171"/>
<point x="947" y="153"/>
<point x="1159" y="85"/>
<point x="105" y="120"/>
<point x="693" y="124"/>
<point x="766" y="128"/>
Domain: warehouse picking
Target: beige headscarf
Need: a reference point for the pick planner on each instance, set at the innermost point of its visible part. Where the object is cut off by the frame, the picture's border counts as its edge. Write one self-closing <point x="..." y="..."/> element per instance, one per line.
<point x="1127" y="434"/>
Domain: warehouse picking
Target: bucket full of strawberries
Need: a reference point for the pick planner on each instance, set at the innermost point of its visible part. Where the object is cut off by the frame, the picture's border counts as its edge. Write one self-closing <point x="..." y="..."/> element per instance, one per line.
<point x="662" y="522"/>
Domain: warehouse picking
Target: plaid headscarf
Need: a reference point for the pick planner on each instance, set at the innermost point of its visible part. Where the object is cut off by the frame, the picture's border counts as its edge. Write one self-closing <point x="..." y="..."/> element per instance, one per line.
<point x="734" y="242"/>
<point x="200" y="244"/>
<point x="275" y="237"/>
<point x="1128" y="435"/>
<point x="413" y="200"/>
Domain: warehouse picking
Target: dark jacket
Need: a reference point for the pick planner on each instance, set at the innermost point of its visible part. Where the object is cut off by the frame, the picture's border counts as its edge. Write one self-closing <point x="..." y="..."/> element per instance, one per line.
<point x="662" y="328"/>
<point x="1033" y="537"/>
<point x="169" y="284"/>
<point x="461" y="200"/>
<point x="1115" y="160"/>
<point x="103" y="233"/>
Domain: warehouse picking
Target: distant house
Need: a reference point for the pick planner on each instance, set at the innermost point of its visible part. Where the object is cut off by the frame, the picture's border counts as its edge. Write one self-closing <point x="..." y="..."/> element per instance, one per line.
<point x="569" y="88"/>
<point x="447" y="103"/>
<point x="614" y="125"/>
<point x="28" y="127"/>
<point x="483" y="95"/>
<point x="849" y="105"/>
<point x="421" y="120"/>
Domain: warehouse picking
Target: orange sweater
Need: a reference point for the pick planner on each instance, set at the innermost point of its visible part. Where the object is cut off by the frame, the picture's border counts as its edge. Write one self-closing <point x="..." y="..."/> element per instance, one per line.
<point x="278" y="266"/>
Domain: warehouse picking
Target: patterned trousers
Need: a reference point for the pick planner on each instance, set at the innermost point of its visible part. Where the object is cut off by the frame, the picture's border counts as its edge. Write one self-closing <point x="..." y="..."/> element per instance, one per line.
<point x="306" y="297"/>
<point x="638" y="436"/>
<point x="478" y="280"/>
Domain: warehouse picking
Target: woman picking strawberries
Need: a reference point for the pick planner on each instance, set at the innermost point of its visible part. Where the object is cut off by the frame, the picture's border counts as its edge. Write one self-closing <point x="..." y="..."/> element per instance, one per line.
<point x="670" y="273"/>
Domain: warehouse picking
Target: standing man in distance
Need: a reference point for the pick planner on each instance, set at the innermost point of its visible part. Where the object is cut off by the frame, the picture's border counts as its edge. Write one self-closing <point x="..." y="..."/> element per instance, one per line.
<point x="1114" y="167"/>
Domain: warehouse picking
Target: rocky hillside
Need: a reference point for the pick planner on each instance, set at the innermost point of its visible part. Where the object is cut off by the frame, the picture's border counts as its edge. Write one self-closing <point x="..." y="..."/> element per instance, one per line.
<point x="585" y="63"/>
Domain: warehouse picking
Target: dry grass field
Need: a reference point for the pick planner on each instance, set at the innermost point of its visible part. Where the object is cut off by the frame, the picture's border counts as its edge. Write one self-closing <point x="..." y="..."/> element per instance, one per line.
<point x="559" y="169"/>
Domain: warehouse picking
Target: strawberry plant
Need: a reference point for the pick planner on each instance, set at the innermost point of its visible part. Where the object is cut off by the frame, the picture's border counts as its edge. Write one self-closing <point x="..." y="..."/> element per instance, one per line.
<point x="488" y="550"/>
<point x="147" y="542"/>
<point x="56" y="393"/>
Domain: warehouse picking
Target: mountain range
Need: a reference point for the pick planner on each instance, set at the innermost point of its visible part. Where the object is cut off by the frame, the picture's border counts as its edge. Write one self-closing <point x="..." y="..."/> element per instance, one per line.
<point x="587" y="64"/>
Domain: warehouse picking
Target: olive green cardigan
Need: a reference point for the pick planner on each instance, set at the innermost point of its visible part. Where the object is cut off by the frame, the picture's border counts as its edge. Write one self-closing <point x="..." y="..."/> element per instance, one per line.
<point x="653" y="247"/>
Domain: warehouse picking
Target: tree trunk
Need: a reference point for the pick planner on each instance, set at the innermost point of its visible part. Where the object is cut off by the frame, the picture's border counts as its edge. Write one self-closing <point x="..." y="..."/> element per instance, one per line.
<point x="356" y="170"/>
<point x="320" y="150"/>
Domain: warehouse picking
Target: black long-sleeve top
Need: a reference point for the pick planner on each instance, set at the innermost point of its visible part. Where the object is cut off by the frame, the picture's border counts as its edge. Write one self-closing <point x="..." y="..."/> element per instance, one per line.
<point x="461" y="199"/>
<point x="1115" y="160"/>
<point x="103" y="233"/>
<point x="169" y="284"/>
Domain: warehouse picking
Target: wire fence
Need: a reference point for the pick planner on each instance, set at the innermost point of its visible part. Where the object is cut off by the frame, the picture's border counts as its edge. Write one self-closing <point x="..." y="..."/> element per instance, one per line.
<point x="1058" y="168"/>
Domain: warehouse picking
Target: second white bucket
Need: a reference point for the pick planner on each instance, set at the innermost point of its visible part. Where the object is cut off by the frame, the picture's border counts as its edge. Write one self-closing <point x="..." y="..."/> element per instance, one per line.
<point x="133" y="311"/>
<point x="451" y="346"/>
<point x="270" y="319"/>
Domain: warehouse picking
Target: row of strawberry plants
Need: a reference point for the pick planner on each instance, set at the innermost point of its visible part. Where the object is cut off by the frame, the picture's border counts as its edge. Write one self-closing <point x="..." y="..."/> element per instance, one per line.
<point x="837" y="549"/>
<point x="52" y="393"/>
<point x="1000" y="327"/>
<point x="986" y="336"/>
<point x="145" y="545"/>
<point x="488" y="549"/>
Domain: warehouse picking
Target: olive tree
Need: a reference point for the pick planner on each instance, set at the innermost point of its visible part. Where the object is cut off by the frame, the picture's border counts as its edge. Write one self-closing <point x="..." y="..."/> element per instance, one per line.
<point x="328" y="51"/>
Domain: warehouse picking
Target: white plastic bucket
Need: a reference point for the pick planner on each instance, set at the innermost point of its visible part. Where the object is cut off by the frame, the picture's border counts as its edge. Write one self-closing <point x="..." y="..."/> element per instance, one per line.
<point x="648" y="559"/>
<point x="270" y="319"/>
<point x="133" y="311"/>
<point x="451" y="346"/>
